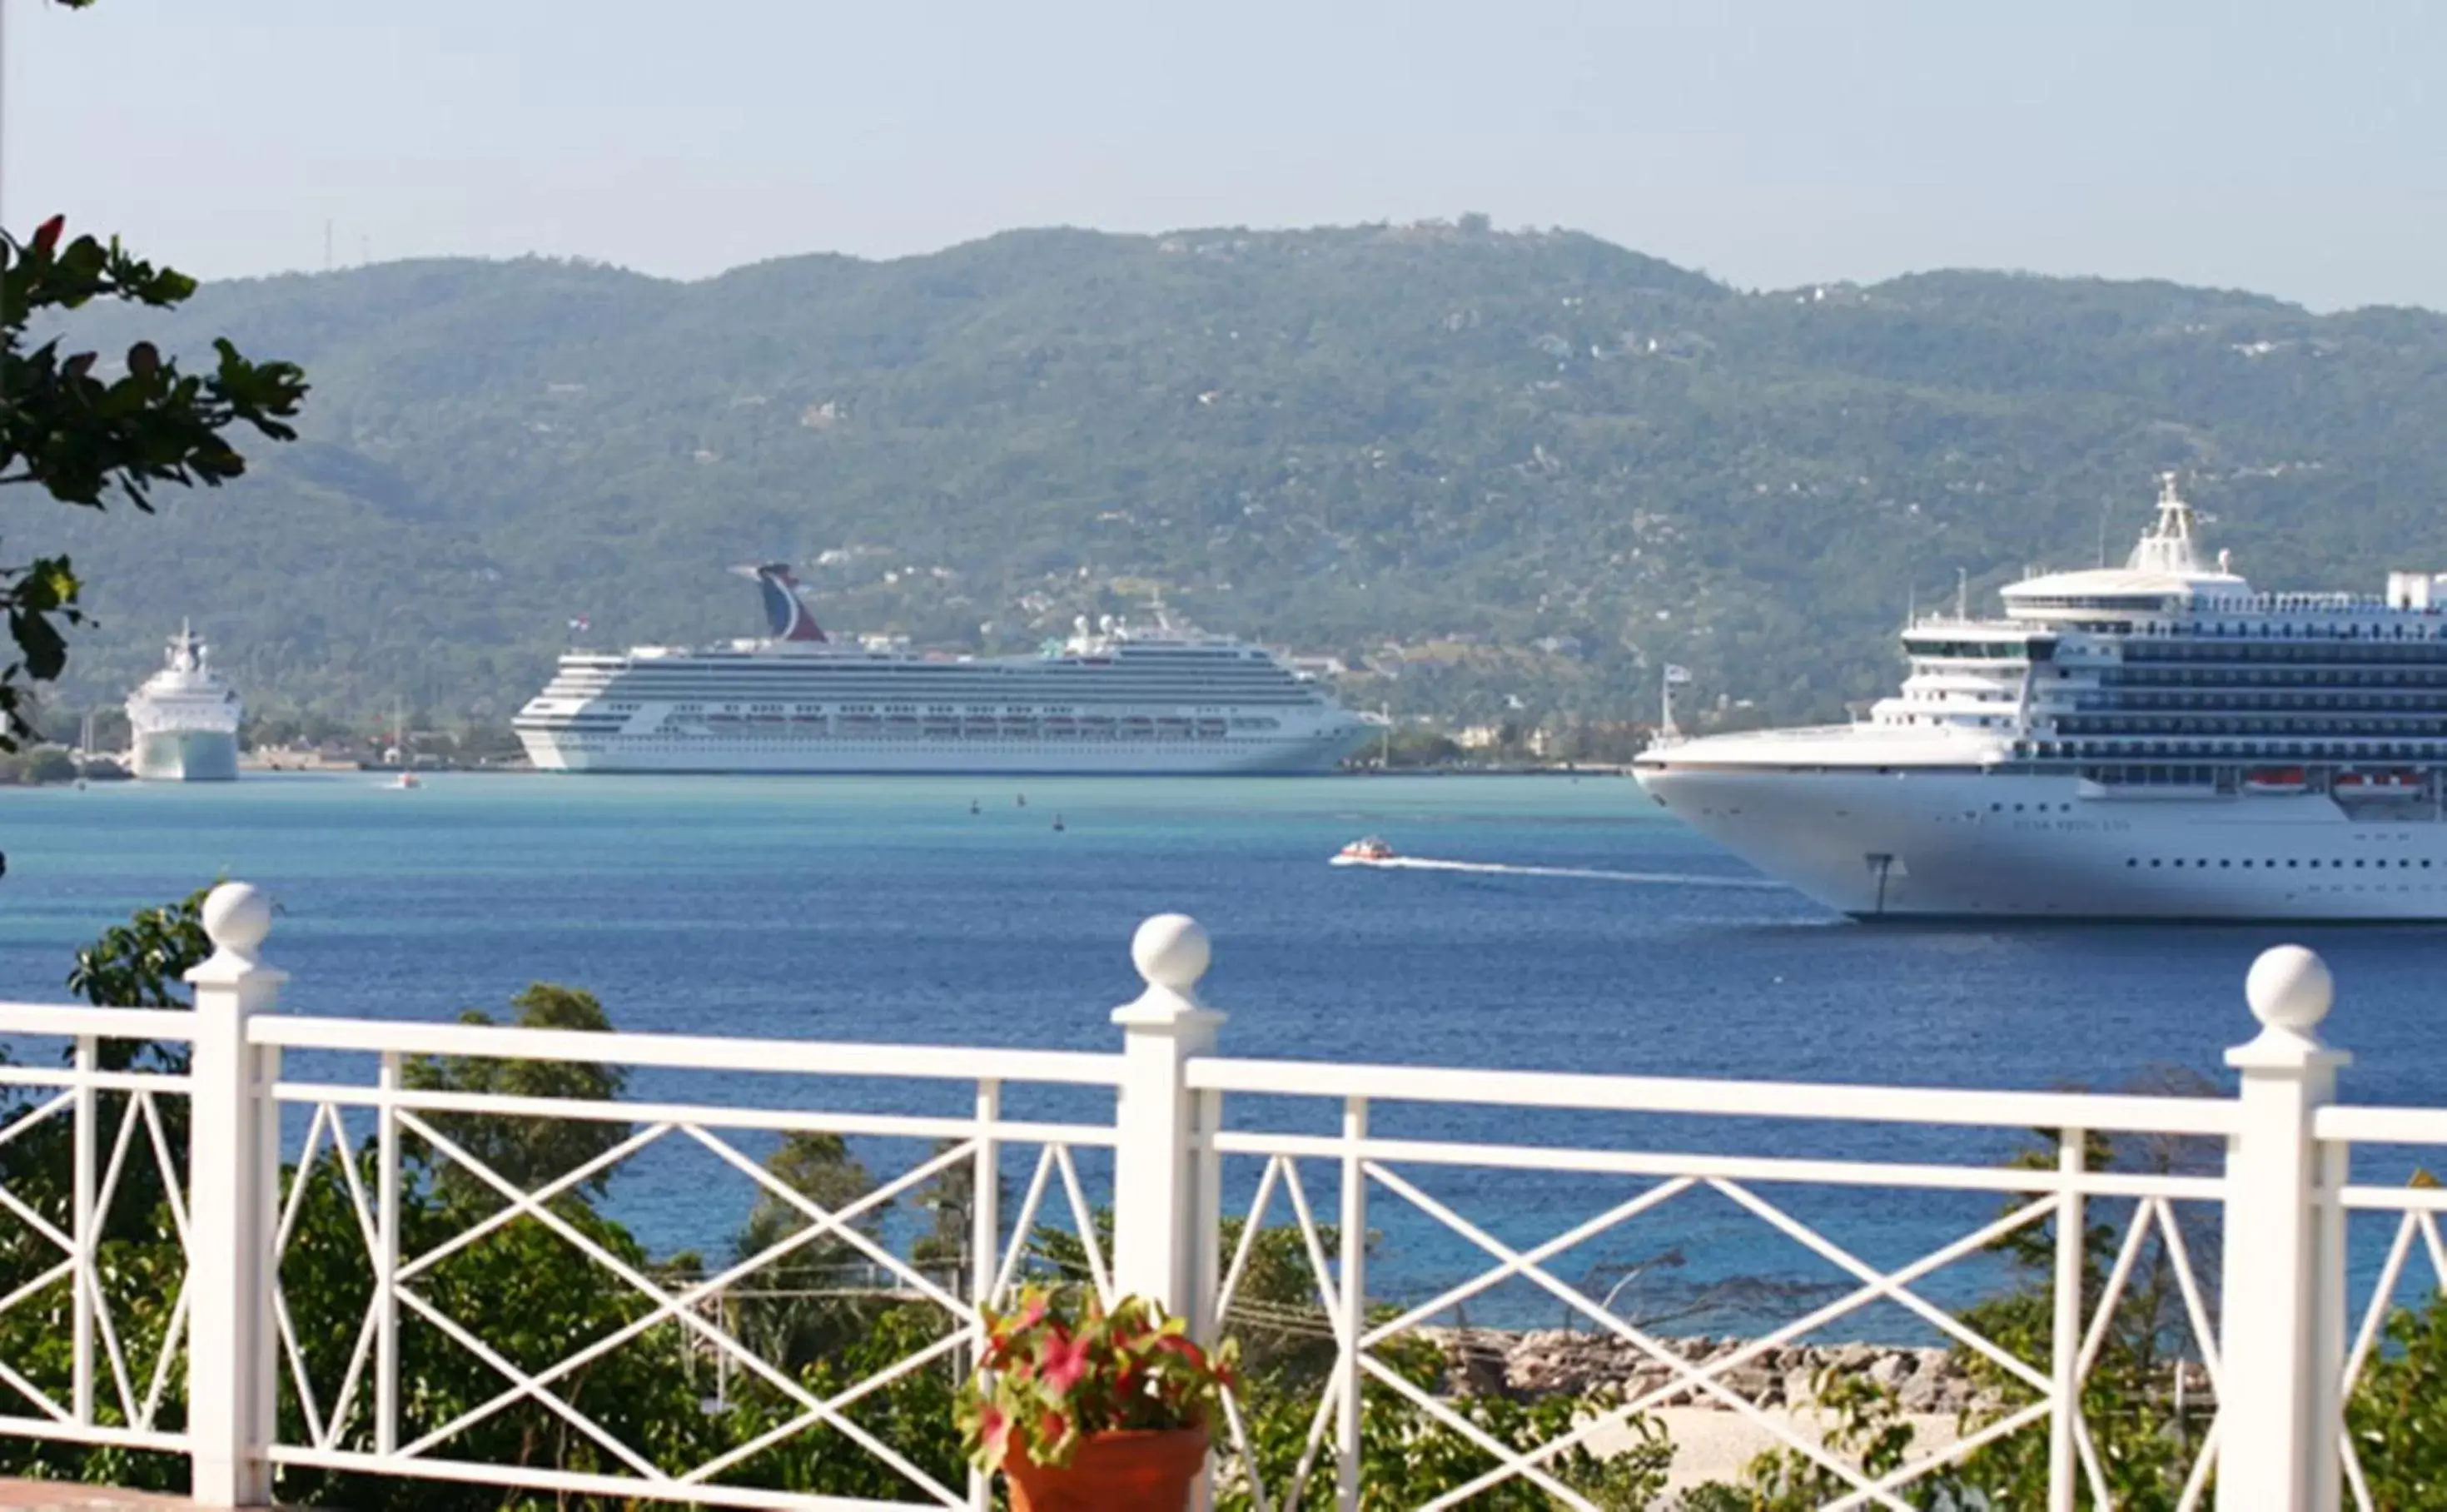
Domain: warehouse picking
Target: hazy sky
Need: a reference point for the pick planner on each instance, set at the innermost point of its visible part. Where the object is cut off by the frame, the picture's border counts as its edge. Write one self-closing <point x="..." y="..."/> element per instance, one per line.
<point x="2290" y="148"/>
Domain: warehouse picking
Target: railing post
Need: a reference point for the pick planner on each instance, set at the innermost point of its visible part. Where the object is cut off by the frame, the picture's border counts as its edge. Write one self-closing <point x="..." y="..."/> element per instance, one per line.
<point x="1351" y="1278"/>
<point x="386" y="1215"/>
<point x="1155" y="1170"/>
<point x="2064" y="1335"/>
<point x="85" y="1227"/>
<point x="234" y="1169"/>
<point x="2276" y="1437"/>
<point x="985" y="1241"/>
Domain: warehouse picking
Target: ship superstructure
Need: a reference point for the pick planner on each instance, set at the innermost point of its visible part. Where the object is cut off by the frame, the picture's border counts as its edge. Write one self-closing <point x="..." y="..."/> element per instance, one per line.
<point x="1111" y="698"/>
<point x="183" y="721"/>
<point x="2155" y="741"/>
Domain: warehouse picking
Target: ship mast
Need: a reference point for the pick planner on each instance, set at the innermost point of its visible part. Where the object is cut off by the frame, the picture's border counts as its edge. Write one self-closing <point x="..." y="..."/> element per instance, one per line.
<point x="1675" y="678"/>
<point x="2168" y="545"/>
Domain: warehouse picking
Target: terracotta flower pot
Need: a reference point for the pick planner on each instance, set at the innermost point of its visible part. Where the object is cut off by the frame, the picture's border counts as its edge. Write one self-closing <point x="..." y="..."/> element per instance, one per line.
<point x="1126" y="1470"/>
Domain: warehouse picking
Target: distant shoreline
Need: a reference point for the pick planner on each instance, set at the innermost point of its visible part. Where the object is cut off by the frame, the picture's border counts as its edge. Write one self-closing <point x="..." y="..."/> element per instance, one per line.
<point x="1583" y="769"/>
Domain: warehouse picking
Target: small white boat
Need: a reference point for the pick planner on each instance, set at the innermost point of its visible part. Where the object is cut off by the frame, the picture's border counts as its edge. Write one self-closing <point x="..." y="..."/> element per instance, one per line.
<point x="2275" y="780"/>
<point x="401" y="751"/>
<point x="1367" y="851"/>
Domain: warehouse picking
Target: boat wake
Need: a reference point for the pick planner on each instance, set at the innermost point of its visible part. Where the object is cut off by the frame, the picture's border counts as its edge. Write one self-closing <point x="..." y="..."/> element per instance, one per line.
<point x="1422" y="863"/>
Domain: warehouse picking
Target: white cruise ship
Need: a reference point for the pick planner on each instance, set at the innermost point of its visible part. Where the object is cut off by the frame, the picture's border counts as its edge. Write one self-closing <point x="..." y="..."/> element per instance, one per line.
<point x="183" y="722"/>
<point x="1113" y="699"/>
<point x="2154" y="742"/>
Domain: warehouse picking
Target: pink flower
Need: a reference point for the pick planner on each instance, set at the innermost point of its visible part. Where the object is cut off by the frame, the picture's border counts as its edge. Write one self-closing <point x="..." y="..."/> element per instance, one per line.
<point x="1187" y="1349"/>
<point x="1062" y="1362"/>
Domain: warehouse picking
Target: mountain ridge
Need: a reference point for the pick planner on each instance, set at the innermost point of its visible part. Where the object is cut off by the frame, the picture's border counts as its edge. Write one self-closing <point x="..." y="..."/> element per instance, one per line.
<point x="1464" y="442"/>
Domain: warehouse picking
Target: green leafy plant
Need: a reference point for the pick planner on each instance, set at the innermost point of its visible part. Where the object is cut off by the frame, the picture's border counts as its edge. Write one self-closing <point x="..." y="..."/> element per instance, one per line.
<point x="2397" y="1415"/>
<point x="1408" y="1457"/>
<point x="527" y="1152"/>
<point x="80" y="431"/>
<point x="1061" y="1367"/>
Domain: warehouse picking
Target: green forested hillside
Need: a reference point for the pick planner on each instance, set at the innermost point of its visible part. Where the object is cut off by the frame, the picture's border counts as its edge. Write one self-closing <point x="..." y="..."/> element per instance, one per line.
<point x="1541" y="463"/>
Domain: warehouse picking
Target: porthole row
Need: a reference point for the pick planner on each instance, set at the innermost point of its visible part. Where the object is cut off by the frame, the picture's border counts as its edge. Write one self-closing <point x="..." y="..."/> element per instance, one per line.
<point x="2292" y="863"/>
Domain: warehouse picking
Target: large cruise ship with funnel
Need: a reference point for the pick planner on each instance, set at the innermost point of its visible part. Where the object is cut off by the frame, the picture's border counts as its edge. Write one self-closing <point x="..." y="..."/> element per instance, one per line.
<point x="182" y="722"/>
<point x="1112" y="698"/>
<point x="2159" y="741"/>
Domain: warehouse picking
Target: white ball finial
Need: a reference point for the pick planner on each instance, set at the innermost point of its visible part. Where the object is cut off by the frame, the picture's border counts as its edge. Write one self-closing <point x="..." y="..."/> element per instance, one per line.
<point x="237" y="916"/>
<point x="1170" y="951"/>
<point x="2289" y="989"/>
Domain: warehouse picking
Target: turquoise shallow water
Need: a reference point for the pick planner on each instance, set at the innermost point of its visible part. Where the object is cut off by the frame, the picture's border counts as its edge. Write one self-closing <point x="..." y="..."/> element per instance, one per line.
<point x="883" y="909"/>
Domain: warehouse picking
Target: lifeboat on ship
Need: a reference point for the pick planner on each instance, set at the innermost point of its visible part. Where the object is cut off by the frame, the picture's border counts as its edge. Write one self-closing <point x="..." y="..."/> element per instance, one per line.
<point x="2398" y="784"/>
<point x="2275" y="780"/>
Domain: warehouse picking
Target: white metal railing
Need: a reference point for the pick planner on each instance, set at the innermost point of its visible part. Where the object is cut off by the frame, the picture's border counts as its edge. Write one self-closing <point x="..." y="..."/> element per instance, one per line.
<point x="1367" y="1166"/>
<point x="377" y="1444"/>
<point x="114" y="1125"/>
<point x="273" y="1128"/>
<point x="2414" y="1244"/>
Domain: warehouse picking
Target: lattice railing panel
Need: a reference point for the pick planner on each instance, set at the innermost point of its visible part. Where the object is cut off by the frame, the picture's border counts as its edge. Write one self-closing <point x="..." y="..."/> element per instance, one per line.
<point x="436" y="1345"/>
<point x="2415" y="1248"/>
<point x="1369" y="1373"/>
<point x="94" y="1236"/>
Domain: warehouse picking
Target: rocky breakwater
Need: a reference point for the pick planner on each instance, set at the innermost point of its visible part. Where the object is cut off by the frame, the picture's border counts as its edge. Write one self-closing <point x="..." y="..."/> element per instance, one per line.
<point x="1543" y="1362"/>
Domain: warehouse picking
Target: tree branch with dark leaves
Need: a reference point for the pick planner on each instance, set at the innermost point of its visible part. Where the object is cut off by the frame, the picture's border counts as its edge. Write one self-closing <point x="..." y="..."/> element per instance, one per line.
<point x="83" y="430"/>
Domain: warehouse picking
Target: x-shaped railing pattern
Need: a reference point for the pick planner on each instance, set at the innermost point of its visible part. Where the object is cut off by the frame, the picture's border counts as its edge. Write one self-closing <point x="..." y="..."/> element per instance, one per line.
<point x="2417" y="1223"/>
<point x="79" y="1246"/>
<point x="693" y="1307"/>
<point x="2153" y="1213"/>
<point x="1282" y="1172"/>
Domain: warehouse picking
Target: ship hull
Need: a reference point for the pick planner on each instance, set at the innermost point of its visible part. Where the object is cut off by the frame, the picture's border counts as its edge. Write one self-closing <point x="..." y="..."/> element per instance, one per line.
<point x="563" y="752"/>
<point x="186" y="756"/>
<point x="1900" y="844"/>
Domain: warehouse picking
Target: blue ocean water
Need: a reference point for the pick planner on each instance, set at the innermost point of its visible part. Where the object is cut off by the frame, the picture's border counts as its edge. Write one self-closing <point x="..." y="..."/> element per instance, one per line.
<point x="884" y="908"/>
